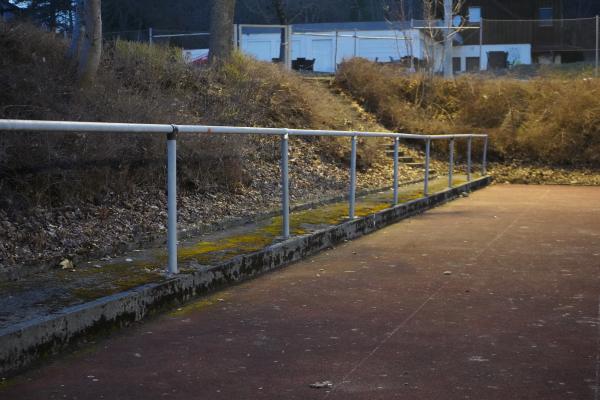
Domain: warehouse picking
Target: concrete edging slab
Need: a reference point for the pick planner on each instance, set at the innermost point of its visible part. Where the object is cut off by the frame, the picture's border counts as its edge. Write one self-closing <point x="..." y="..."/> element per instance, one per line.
<point x="27" y="342"/>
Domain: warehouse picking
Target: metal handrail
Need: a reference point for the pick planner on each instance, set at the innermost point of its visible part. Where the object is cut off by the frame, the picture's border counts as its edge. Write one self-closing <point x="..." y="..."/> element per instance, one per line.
<point x="172" y="130"/>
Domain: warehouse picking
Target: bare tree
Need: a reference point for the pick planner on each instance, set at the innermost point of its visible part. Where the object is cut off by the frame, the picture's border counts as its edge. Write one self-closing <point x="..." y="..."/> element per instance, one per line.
<point x="440" y="34"/>
<point x="396" y="17"/>
<point x="221" y="30"/>
<point x="86" y="43"/>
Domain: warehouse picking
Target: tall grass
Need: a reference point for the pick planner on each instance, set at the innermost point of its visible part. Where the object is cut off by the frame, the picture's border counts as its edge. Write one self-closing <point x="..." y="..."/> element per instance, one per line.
<point x="550" y="119"/>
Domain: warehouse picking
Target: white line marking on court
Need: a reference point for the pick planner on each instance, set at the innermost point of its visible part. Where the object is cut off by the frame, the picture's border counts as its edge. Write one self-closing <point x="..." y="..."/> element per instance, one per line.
<point x="414" y="313"/>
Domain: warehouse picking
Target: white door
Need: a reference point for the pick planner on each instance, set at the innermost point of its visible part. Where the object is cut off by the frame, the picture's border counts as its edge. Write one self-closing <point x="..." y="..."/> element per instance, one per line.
<point x="322" y="52"/>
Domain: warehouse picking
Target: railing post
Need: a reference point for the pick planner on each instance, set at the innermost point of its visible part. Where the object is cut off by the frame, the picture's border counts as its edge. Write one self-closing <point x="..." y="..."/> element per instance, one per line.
<point x="150" y="36"/>
<point x="285" y="185"/>
<point x="469" y="142"/>
<point x="451" y="163"/>
<point x="597" y="45"/>
<point x="352" y="196"/>
<point x="172" y="201"/>
<point x="426" y="179"/>
<point x="484" y="160"/>
<point x="396" y="145"/>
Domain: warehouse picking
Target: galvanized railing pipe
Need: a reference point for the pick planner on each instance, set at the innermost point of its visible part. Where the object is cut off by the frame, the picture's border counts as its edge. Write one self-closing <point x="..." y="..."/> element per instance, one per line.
<point x="451" y="163"/>
<point x="285" y="186"/>
<point x="173" y="130"/>
<point x="172" y="202"/>
<point x="426" y="175"/>
<point x="396" y="151"/>
<point x="110" y="127"/>
<point x="484" y="157"/>
<point x="469" y="140"/>
<point x="352" y="196"/>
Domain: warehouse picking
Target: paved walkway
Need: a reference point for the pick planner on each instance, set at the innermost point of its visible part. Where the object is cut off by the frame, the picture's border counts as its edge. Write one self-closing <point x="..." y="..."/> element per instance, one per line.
<point x="494" y="296"/>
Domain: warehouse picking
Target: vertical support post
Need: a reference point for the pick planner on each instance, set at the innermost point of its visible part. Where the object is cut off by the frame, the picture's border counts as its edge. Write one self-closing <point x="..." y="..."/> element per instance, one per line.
<point x="448" y="74"/>
<point x="469" y="143"/>
<point x="288" y="47"/>
<point x="451" y="163"/>
<point x="335" y="53"/>
<point x="235" y="37"/>
<point x="285" y="185"/>
<point x="172" y="201"/>
<point x="355" y="43"/>
<point x="426" y="178"/>
<point x="396" y="145"/>
<point x="481" y="44"/>
<point x="597" y="42"/>
<point x="352" y="197"/>
<point x="484" y="160"/>
<point x="150" y="36"/>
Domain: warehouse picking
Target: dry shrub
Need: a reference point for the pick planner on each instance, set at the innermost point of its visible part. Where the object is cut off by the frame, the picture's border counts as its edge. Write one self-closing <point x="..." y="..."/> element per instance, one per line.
<point x="546" y="119"/>
<point x="145" y="84"/>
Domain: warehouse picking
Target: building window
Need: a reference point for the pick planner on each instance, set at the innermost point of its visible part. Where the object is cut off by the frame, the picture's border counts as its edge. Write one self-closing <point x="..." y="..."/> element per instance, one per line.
<point x="474" y="15"/>
<point x="456" y="67"/>
<point x="545" y="16"/>
<point x="472" y="64"/>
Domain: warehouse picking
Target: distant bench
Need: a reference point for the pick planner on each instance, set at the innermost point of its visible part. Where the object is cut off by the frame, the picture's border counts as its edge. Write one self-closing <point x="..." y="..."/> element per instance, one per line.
<point x="302" y="64"/>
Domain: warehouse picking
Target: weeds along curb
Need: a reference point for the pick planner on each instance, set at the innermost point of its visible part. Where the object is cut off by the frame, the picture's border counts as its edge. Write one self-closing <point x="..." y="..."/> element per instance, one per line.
<point x="25" y="343"/>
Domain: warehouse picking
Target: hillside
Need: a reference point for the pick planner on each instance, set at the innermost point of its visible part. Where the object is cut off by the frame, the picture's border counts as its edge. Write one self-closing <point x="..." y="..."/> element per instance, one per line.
<point x="77" y="195"/>
<point x="552" y="119"/>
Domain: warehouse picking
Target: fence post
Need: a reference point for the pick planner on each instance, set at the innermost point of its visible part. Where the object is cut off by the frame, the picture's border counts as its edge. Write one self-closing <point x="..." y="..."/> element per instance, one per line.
<point x="335" y="53"/>
<point x="172" y="201"/>
<point x="285" y="185"/>
<point x="451" y="163"/>
<point x="484" y="160"/>
<point x="352" y="199"/>
<point x="426" y="179"/>
<point x="469" y="141"/>
<point x="355" y="43"/>
<point x="150" y="36"/>
<point x="235" y="37"/>
<point x="288" y="47"/>
<point x="597" y="42"/>
<point x="480" y="45"/>
<point x="396" y="145"/>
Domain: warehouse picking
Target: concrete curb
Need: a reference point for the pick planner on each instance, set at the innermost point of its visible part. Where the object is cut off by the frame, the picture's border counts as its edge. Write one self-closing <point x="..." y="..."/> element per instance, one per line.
<point x="23" y="344"/>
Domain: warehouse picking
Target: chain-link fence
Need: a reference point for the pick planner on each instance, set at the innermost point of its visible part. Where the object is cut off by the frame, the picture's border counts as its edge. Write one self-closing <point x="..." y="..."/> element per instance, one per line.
<point x="552" y="40"/>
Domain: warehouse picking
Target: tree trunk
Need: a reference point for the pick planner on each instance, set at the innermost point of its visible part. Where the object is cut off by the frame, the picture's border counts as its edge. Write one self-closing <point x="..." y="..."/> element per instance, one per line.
<point x="78" y="31"/>
<point x="221" y="30"/>
<point x="282" y="18"/>
<point x="448" y="73"/>
<point x="91" y="52"/>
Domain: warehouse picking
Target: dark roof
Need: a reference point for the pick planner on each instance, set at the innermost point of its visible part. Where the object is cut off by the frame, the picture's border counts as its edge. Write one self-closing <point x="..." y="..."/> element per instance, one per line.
<point x="345" y="26"/>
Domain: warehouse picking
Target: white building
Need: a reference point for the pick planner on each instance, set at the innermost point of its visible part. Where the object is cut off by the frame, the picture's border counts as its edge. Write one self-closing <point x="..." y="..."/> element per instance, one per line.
<point x="467" y="58"/>
<point x="329" y="44"/>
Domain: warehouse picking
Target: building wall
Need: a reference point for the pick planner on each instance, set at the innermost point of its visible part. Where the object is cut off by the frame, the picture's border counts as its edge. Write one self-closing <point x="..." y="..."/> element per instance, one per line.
<point x="517" y="53"/>
<point x="329" y="49"/>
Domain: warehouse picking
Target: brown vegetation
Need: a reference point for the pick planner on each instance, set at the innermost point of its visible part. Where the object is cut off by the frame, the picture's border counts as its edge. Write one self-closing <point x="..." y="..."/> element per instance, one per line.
<point x="146" y="84"/>
<point x="548" y="119"/>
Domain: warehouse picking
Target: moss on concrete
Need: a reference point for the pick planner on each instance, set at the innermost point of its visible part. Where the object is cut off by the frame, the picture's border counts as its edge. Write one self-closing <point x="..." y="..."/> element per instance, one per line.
<point x="199" y="305"/>
<point x="89" y="283"/>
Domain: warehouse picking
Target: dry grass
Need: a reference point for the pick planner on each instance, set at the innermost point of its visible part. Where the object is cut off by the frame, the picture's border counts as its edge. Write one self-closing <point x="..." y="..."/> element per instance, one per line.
<point x="550" y="119"/>
<point x="140" y="83"/>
